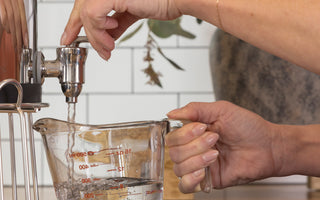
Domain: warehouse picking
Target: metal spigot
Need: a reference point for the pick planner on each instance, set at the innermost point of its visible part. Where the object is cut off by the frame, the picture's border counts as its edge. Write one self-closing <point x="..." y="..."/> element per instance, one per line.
<point x="68" y="68"/>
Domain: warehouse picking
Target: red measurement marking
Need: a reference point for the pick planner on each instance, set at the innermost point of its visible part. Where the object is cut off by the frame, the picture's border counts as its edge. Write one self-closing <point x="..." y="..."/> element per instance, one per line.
<point x="135" y="194"/>
<point x="86" y="180"/>
<point x="83" y="167"/>
<point x="153" y="191"/>
<point x="81" y="154"/>
<point x="99" y="194"/>
<point x="96" y="179"/>
<point x="89" y="195"/>
<point x="118" y="153"/>
<point x="108" y="149"/>
<point x="119" y="169"/>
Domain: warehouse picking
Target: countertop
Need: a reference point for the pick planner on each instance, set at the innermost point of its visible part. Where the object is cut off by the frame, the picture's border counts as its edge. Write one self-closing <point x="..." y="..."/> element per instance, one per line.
<point x="262" y="192"/>
<point x="248" y="192"/>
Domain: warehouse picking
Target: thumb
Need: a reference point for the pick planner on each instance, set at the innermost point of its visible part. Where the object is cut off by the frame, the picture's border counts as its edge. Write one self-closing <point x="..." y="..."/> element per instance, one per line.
<point x="199" y="111"/>
<point x="73" y="26"/>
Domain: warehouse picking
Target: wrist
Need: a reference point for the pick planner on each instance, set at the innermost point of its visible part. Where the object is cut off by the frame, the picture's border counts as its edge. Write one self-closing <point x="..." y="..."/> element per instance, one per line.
<point x="201" y="9"/>
<point x="296" y="150"/>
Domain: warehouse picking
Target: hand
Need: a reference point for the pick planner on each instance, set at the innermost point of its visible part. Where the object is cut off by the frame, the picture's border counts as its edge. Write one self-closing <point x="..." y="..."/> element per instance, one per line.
<point x="238" y="145"/>
<point x="102" y="30"/>
<point x="13" y="21"/>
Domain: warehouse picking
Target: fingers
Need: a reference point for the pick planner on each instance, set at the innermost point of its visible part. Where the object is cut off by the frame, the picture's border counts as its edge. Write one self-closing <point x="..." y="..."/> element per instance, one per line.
<point x="203" y="112"/>
<point x="124" y="20"/>
<point x="191" y="149"/>
<point x="101" y="41"/>
<point x="96" y="24"/>
<point x="195" y="163"/>
<point x="74" y="24"/>
<point x="198" y="146"/>
<point x="185" y="134"/>
<point x="189" y="182"/>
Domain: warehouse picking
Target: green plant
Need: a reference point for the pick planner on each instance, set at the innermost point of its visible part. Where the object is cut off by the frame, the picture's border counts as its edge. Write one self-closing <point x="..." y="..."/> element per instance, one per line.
<point x="161" y="29"/>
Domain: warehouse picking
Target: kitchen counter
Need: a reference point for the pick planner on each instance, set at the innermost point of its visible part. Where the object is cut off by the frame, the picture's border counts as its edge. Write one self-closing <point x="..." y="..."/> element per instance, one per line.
<point x="262" y="192"/>
<point x="249" y="192"/>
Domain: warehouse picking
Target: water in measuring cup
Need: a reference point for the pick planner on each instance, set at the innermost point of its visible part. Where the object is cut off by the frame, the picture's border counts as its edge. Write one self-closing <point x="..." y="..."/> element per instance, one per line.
<point x="122" y="188"/>
<point x="71" y="138"/>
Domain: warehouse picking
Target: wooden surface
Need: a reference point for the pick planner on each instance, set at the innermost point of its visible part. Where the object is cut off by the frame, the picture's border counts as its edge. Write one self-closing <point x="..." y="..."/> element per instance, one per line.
<point x="171" y="181"/>
<point x="314" y="183"/>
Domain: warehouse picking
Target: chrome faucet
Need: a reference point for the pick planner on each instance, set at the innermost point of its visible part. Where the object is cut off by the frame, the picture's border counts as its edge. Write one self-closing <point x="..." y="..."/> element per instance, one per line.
<point x="68" y="68"/>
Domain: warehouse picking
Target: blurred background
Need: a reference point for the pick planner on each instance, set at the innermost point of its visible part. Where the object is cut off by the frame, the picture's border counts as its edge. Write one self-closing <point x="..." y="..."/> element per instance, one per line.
<point x="116" y="90"/>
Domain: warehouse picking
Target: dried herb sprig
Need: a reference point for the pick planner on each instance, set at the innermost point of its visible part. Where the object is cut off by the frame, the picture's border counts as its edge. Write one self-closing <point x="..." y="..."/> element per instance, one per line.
<point x="161" y="29"/>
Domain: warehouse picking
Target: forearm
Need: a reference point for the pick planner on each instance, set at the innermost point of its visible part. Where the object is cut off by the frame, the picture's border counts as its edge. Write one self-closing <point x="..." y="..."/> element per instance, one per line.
<point x="287" y="28"/>
<point x="298" y="150"/>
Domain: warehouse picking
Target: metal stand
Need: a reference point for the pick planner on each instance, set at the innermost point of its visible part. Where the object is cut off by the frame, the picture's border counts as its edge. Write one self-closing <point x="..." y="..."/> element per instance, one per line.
<point x="24" y="110"/>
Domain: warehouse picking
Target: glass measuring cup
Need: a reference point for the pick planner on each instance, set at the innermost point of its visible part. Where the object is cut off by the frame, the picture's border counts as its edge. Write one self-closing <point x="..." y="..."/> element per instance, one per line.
<point x="115" y="161"/>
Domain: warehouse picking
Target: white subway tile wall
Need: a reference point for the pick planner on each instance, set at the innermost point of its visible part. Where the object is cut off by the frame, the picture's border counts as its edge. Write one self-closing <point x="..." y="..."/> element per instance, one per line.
<point x="116" y="90"/>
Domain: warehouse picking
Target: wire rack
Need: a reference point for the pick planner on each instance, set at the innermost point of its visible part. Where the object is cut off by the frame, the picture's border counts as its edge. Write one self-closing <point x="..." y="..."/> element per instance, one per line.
<point x="24" y="111"/>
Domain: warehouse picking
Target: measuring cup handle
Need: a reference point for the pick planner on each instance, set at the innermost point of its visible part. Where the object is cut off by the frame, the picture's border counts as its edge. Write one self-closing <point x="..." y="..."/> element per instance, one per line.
<point x="206" y="183"/>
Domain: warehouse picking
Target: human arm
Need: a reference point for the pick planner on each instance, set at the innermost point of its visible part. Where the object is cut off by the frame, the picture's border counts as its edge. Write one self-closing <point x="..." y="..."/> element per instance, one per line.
<point x="301" y="144"/>
<point x="288" y="29"/>
<point x="249" y="147"/>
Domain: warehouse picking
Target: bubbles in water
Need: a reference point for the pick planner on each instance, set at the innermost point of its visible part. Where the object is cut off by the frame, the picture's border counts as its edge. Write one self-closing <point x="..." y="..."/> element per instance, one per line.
<point x="113" y="188"/>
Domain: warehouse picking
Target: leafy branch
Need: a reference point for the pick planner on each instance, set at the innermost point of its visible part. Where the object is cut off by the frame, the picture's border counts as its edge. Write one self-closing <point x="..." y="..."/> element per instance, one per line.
<point x="161" y="29"/>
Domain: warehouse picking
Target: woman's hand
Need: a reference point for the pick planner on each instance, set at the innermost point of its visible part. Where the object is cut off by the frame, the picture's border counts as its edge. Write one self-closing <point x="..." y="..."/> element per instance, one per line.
<point x="13" y="21"/>
<point x="238" y="145"/>
<point x="102" y="30"/>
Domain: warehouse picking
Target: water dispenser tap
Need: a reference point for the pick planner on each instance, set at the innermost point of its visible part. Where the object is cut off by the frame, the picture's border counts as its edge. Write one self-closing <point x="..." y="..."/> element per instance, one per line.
<point x="68" y="67"/>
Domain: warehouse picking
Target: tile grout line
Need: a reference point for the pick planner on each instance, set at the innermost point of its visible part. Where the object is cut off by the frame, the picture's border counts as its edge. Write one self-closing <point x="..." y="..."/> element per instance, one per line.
<point x="132" y="70"/>
<point x="87" y="107"/>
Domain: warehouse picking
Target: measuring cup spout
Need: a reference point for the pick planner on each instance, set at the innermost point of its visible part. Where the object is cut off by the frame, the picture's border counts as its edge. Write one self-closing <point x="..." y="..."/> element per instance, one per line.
<point x="50" y="125"/>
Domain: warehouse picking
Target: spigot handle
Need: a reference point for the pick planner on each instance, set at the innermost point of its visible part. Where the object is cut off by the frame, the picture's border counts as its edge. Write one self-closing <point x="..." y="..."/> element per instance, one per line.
<point x="80" y="39"/>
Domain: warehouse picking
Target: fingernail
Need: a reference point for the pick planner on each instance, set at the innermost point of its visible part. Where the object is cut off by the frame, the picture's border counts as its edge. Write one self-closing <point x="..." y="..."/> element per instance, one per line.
<point x="63" y="38"/>
<point x="211" y="139"/>
<point x="210" y="156"/>
<point x="198" y="172"/>
<point x="199" y="129"/>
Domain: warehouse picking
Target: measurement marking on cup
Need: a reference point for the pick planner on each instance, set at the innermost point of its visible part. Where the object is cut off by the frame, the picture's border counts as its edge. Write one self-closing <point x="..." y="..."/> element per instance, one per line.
<point x="120" y="152"/>
<point x="119" y="169"/>
<point x="92" y="153"/>
<point x="89" y="180"/>
<point x="81" y="154"/>
<point x="153" y="191"/>
<point x="83" y="167"/>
